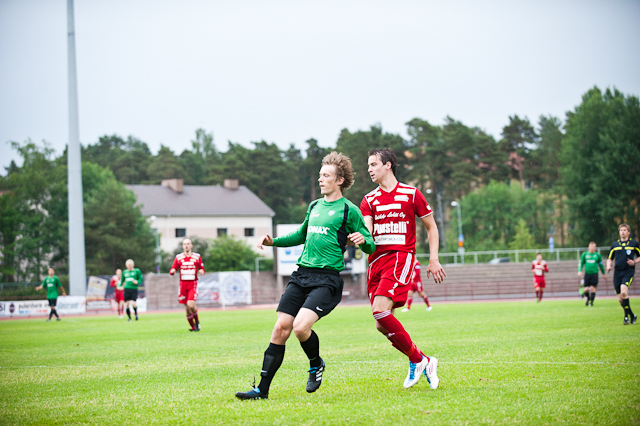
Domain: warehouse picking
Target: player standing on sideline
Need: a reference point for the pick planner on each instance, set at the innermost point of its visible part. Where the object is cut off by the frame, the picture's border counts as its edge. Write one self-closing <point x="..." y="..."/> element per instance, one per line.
<point x="131" y="279"/>
<point x="52" y="282"/>
<point x="591" y="261"/>
<point x="625" y="252"/>
<point x="416" y="286"/>
<point x="389" y="212"/>
<point x="119" y="291"/>
<point x="539" y="267"/>
<point x="315" y="289"/>
<point x="190" y="265"/>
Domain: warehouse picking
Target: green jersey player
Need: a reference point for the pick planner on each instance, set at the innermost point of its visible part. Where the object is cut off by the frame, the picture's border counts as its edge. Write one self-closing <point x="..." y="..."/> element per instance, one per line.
<point x="52" y="283"/>
<point x="591" y="261"/>
<point x="315" y="289"/>
<point x="131" y="278"/>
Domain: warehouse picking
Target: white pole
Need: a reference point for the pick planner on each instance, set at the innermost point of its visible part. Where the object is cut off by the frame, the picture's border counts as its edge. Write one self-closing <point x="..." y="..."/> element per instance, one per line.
<point x="77" y="261"/>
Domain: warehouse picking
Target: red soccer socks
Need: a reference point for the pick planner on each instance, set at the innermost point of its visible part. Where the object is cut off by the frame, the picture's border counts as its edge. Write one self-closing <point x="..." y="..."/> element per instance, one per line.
<point x="398" y="336"/>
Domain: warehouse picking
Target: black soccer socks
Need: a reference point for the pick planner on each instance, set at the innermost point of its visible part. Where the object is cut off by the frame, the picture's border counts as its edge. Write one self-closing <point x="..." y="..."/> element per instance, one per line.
<point x="311" y="347"/>
<point x="272" y="361"/>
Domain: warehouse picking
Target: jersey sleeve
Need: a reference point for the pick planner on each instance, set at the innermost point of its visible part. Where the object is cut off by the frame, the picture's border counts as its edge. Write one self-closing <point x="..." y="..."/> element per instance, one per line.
<point x="612" y="251"/>
<point x="546" y="267"/>
<point x="200" y="264"/>
<point x="355" y="223"/>
<point x="600" y="263"/>
<point x="296" y="237"/>
<point x="57" y="281"/>
<point x="420" y="205"/>
<point x="139" y="276"/>
<point x="176" y="264"/>
<point x="365" y="208"/>
<point x="582" y="261"/>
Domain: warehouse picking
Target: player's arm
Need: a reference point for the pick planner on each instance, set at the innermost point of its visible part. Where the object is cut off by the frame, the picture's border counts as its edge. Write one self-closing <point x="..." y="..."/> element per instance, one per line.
<point x="601" y="266"/>
<point x="610" y="259"/>
<point x="175" y="266"/>
<point x="360" y="234"/>
<point x="546" y="268"/>
<point x="581" y="263"/>
<point x="295" y="238"/>
<point x="59" y="284"/>
<point x="434" y="241"/>
<point x="200" y="266"/>
<point x="38" y="288"/>
<point x="637" y="259"/>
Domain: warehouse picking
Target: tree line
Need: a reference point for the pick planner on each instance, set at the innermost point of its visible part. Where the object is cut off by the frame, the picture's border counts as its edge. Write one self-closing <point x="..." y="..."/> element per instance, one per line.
<point x="574" y="179"/>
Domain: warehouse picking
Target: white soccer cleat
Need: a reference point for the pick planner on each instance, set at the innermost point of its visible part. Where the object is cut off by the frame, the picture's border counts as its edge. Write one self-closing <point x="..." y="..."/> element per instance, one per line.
<point x="431" y="371"/>
<point x="405" y="310"/>
<point x="429" y="308"/>
<point x="415" y="371"/>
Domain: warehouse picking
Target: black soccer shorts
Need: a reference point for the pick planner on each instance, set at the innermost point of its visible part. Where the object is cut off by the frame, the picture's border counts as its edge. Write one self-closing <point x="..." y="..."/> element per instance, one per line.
<point x="622" y="278"/>
<point x="52" y="302"/>
<point x="591" y="280"/>
<point x="319" y="291"/>
<point x="130" y="294"/>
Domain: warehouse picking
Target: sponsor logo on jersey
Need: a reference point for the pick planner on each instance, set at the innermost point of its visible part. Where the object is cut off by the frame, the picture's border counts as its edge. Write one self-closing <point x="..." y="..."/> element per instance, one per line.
<point x="317" y="229"/>
<point x="390" y="228"/>
<point x="332" y="212"/>
<point x="406" y="191"/>
<point x="386" y="240"/>
<point x="315" y="214"/>
<point x="628" y="252"/>
<point x="401" y="198"/>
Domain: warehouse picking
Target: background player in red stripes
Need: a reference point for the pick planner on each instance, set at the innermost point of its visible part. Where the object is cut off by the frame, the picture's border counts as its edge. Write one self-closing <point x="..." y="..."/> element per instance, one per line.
<point x="119" y="291"/>
<point x="190" y="265"/>
<point x="539" y="267"/>
<point x="390" y="214"/>
<point x="416" y="286"/>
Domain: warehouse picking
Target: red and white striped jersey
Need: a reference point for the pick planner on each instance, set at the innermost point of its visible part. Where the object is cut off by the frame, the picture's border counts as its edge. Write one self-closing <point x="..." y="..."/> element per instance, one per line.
<point x="394" y="217"/>
<point x="539" y="268"/>
<point x="189" y="266"/>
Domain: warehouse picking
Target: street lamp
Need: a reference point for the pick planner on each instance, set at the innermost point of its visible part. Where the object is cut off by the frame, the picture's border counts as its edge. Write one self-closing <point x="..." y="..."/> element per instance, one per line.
<point x="460" y="236"/>
<point x="156" y="236"/>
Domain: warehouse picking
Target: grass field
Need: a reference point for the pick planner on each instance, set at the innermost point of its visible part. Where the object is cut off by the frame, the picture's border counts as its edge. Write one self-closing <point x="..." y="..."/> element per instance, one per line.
<point x="556" y="362"/>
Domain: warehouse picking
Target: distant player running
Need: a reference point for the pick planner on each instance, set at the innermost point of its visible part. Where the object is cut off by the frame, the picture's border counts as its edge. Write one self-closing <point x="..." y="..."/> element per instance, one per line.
<point x="416" y="286"/>
<point x="539" y="267"/>
<point x="131" y="279"/>
<point x="119" y="291"/>
<point x="190" y="265"/>
<point x="315" y="289"/>
<point x="591" y="261"/>
<point x="625" y="252"/>
<point x="52" y="283"/>
<point x="390" y="213"/>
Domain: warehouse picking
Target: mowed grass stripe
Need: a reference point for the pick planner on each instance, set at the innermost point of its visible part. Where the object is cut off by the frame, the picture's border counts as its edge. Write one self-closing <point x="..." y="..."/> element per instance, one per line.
<point x="500" y="363"/>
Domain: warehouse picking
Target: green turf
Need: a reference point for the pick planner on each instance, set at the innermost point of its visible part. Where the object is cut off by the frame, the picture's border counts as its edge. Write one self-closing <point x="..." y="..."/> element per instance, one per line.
<point x="556" y="362"/>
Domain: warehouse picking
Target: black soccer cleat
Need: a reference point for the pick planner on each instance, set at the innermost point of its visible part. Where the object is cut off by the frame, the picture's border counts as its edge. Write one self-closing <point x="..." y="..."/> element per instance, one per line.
<point x="136" y="317"/>
<point x="59" y="319"/>
<point x="198" y="327"/>
<point x="626" y="321"/>
<point x="315" y="378"/>
<point x="634" y="318"/>
<point x="252" y="394"/>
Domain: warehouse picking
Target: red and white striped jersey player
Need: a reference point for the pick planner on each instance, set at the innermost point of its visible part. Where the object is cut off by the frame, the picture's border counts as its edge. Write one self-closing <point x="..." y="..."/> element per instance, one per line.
<point x="539" y="267"/>
<point x="390" y="213"/>
<point x="190" y="265"/>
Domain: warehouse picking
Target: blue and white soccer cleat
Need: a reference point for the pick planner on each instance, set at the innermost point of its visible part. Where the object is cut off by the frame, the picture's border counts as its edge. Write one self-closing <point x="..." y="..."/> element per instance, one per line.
<point x="431" y="371"/>
<point x="315" y="378"/>
<point x="252" y="394"/>
<point x="415" y="370"/>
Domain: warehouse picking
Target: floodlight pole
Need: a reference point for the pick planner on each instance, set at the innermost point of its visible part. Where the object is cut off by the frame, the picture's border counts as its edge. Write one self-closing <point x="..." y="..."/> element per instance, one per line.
<point x="77" y="261"/>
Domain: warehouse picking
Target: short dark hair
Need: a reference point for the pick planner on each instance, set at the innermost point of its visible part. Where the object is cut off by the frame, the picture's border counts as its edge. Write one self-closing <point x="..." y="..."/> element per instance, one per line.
<point x="386" y="156"/>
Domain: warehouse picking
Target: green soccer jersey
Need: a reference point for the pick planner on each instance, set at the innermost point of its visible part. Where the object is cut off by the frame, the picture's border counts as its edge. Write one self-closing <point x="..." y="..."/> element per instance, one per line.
<point x="590" y="262"/>
<point x="51" y="284"/>
<point x="324" y="234"/>
<point x="128" y="277"/>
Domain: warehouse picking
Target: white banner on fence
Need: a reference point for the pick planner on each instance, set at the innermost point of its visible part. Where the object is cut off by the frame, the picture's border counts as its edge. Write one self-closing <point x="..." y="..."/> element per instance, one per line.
<point x="25" y="308"/>
<point x="71" y="305"/>
<point x="226" y="288"/>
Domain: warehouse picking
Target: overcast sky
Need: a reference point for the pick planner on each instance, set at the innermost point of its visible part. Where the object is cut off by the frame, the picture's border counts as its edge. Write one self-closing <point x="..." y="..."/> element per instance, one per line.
<point x="286" y="71"/>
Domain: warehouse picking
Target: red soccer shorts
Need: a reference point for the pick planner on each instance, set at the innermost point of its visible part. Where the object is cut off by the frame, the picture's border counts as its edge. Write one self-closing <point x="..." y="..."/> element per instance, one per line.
<point x="416" y="286"/>
<point x="538" y="281"/>
<point x="188" y="291"/>
<point x="389" y="276"/>
<point x="119" y="295"/>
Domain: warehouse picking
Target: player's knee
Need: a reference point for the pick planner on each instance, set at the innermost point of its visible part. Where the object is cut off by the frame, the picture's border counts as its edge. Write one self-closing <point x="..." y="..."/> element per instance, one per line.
<point x="381" y="328"/>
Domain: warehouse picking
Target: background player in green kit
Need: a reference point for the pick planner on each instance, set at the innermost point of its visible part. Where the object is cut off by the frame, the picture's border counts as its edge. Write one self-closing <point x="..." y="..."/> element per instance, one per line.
<point x="52" y="283"/>
<point x="315" y="289"/>
<point x="625" y="253"/>
<point x="131" y="278"/>
<point x="591" y="261"/>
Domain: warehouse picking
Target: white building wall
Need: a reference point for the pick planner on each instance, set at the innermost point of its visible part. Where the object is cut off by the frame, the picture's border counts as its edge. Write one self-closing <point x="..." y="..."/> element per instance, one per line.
<point x="207" y="227"/>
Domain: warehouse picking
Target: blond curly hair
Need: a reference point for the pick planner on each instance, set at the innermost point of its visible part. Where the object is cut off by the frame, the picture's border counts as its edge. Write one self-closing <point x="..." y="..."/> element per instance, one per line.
<point x="343" y="166"/>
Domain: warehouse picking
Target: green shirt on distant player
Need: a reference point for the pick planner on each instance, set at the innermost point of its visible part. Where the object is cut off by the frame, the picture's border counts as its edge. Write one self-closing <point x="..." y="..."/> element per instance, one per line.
<point x="129" y="276"/>
<point x="324" y="234"/>
<point x="52" y="284"/>
<point x="590" y="262"/>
